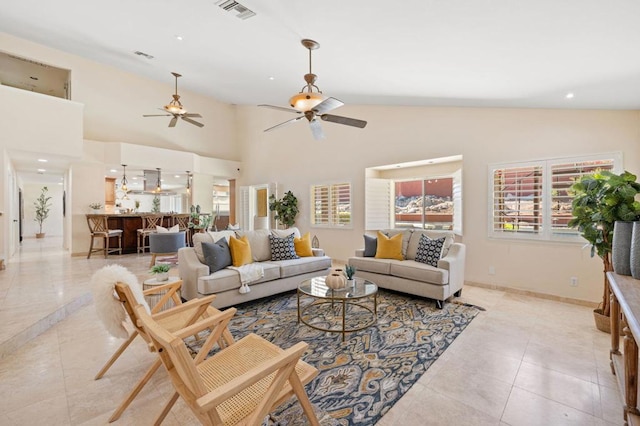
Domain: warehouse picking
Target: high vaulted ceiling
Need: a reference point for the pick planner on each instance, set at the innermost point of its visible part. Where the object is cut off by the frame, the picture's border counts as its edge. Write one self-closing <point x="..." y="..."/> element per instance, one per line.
<point x="504" y="53"/>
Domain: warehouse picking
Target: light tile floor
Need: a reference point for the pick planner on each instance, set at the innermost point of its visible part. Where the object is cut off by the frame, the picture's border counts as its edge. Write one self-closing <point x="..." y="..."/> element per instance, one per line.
<point x="525" y="361"/>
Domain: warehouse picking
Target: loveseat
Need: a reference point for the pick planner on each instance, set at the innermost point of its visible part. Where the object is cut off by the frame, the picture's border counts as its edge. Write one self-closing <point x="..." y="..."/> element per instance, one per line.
<point x="407" y="269"/>
<point x="279" y="275"/>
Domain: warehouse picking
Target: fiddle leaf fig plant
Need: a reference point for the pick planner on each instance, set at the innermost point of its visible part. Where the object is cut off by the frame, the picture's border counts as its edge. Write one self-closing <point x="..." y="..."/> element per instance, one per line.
<point x="601" y="199"/>
<point x="286" y="209"/>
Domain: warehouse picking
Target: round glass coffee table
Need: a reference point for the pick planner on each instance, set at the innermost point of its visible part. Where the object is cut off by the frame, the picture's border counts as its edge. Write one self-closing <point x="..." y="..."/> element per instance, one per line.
<point x="351" y="301"/>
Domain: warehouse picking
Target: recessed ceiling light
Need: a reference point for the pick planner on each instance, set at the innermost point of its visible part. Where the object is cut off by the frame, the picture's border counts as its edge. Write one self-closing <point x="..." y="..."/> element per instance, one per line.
<point x="178" y="37"/>
<point x="272" y="78"/>
<point x="113" y="171"/>
<point x="569" y="96"/>
<point x="41" y="170"/>
<point x="177" y="176"/>
<point x="135" y="178"/>
<point x="42" y="160"/>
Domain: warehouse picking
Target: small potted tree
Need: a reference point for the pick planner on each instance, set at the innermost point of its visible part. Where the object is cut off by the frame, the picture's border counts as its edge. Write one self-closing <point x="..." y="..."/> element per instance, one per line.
<point x="601" y="199"/>
<point x="286" y="209"/>
<point x="42" y="207"/>
<point x="161" y="271"/>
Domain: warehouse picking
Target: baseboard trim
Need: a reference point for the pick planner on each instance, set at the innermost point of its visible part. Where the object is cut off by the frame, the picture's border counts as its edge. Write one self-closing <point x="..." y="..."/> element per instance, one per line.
<point x="533" y="294"/>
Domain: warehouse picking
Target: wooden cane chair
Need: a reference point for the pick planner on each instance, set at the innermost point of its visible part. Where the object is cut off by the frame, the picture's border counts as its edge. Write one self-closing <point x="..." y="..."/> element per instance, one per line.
<point x="175" y="318"/>
<point x="149" y="223"/>
<point x="240" y="384"/>
<point x="99" y="228"/>
<point x="182" y="220"/>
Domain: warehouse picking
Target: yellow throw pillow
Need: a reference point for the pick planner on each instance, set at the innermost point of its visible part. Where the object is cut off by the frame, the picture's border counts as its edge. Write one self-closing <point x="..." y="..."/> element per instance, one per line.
<point x="303" y="245"/>
<point x="389" y="248"/>
<point x="240" y="251"/>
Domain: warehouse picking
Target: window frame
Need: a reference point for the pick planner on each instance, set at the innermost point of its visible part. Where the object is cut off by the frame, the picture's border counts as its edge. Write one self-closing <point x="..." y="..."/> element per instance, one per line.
<point x="331" y="187"/>
<point x="547" y="164"/>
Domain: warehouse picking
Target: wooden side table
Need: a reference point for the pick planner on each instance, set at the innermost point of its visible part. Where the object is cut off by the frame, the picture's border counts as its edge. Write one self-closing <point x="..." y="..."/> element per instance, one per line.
<point x="153" y="299"/>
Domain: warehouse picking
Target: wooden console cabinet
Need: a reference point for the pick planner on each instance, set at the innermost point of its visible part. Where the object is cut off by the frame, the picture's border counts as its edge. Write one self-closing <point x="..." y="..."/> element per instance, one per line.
<point x="625" y="314"/>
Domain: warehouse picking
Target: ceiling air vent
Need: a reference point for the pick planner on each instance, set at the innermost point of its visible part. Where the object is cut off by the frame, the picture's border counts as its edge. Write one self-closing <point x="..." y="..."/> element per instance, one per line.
<point x="236" y="8"/>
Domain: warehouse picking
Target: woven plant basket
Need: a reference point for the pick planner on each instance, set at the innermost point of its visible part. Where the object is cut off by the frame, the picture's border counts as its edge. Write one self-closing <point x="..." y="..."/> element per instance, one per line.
<point x="603" y="322"/>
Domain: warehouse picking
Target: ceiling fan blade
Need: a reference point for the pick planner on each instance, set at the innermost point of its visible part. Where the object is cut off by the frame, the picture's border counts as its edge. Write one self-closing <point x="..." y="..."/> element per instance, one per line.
<point x="285" y="123"/>
<point x="327" y="105"/>
<point x="173" y="121"/>
<point x="188" y="120"/>
<point x="316" y="130"/>
<point x="280" y="108"/>
<point x="344" y="120"/>
<point x="157" y="115"/>
<point x="192" y="115"/>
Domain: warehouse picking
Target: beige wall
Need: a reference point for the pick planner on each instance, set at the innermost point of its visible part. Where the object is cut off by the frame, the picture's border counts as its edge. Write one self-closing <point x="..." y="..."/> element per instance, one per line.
<point x="115" y="102"/>
<point x="481" y="136"/>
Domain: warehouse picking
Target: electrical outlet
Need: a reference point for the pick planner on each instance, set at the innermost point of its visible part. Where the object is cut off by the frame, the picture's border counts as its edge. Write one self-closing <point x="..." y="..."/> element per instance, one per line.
<point x="574" y="282"/>
<point x="492" y="270"/>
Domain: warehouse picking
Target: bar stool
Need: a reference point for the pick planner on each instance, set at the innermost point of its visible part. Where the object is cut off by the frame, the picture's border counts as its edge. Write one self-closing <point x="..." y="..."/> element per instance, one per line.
<point x="99" y="228"/>
<point x="149" y="223"/>
<point x="182" y="220"/>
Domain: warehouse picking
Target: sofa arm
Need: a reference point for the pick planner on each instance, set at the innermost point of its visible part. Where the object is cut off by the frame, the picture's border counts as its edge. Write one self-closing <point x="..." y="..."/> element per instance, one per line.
<point x="190" y="270"/>
<point x="454" y="263"/>
<point x="318" y="252"/>
<point x="359" y="252"/>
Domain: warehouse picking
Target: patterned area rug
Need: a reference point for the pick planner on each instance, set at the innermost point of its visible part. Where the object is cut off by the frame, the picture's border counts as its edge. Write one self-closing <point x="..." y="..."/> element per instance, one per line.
<point x="363" y="377"/>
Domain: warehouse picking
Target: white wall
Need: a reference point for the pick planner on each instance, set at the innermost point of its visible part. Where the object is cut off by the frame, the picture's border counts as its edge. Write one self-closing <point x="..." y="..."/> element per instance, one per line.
<point x="482" y="136"/>
<point x="53" y="225"/>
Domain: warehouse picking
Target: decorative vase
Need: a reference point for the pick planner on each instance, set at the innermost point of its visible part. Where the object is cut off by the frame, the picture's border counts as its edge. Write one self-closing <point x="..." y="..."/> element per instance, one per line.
<point x="162" y="276"/>
<point x="621" y="247"/>
<point x="634" y="260"/>
<point x="335" y="281"/>
<point x="351" y="282"/>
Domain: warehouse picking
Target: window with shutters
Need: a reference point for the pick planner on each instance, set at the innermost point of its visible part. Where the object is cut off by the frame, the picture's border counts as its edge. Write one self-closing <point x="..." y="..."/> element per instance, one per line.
<point x="533" y="200"/>
<point x="331" y="205"/>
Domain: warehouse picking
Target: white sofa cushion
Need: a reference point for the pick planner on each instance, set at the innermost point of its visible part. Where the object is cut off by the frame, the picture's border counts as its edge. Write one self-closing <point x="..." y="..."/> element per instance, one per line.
<point x="228" y="279"/>
<point x="412" y="249"/>
<point x="371" y="264"/>
<point x="284" y="233"/>
<point x="259" y="243"/>
<point x="303" y="265"/>
<point x="208" y="237"/>
<point x="416" y="271"/>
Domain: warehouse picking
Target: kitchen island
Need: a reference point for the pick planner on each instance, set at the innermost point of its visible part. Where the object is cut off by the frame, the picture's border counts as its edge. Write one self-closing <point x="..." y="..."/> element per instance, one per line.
<point x="130" y="223"/>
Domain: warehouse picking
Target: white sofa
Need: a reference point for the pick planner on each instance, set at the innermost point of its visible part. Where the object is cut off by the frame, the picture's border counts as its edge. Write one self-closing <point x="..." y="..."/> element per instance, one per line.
<point x="408" y="276"/>
<point x="279" y="276"/>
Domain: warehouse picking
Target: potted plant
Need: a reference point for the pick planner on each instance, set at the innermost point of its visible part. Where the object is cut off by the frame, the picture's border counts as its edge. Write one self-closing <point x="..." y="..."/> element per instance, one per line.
<point x="601" y="199"/>
<point x="95" y="207"/>
<point x="286" y="209"/>
<point x="161" y="271"/>
<point x="350" y="272"/>
<point x="42" y="207"/>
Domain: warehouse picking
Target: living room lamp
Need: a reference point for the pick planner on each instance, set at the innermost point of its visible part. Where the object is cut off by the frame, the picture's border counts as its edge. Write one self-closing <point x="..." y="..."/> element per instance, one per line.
<point x="307" y="99"/>
<point x="158" y="182"/>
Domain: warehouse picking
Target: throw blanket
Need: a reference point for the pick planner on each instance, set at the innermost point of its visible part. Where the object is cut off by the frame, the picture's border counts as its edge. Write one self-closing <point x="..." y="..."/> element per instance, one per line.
<point x="108" y="306"/>
<point x="248" y="274"/>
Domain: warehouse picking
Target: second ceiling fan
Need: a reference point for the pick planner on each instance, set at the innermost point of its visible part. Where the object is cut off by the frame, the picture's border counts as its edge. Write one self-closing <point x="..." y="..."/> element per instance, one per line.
<point x="176" y="110"/>
<point x="312" y="104"/>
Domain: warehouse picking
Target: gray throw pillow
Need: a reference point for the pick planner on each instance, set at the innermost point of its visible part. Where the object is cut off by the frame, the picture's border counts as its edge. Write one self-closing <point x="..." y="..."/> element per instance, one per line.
<point x="370" y="246"/>
<point x="216" y="255"/>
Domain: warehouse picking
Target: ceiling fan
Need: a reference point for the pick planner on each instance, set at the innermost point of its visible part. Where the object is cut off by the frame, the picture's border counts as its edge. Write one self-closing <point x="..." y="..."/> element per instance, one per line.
<point x="176" y="110"/>
<point x="313" y="105"/>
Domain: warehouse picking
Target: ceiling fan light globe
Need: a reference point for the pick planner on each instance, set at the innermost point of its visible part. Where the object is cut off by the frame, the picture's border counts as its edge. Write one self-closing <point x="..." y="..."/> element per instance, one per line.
<point x="305" y="101"/>
<point x="175" y="109"/>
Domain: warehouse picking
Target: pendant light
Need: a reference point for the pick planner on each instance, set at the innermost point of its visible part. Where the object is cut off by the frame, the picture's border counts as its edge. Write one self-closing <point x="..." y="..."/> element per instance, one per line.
<point x="158" y="183"/>
<point x="123" y="182"/>
<point x="188" y="182"/>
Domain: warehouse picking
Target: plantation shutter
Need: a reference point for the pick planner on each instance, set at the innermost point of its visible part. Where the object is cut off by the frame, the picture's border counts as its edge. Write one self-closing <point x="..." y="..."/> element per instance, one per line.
<point x="378" y="202"/>
<point x="331" y="205"/>
<point x="517" y="200"/>
<point x="457" y="202"/>
<point x="563" y="175"/>
<point x="341" y="204"/>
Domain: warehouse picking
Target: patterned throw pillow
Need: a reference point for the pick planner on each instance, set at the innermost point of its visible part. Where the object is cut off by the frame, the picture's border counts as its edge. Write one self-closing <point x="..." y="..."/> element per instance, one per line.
<point x="429" y="251"/>
<point x="282" y="248"/>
